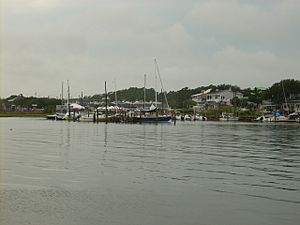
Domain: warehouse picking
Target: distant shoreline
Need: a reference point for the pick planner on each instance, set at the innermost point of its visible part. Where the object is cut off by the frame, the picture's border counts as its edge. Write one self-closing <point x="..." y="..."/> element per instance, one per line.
<point x="22" y="114"/>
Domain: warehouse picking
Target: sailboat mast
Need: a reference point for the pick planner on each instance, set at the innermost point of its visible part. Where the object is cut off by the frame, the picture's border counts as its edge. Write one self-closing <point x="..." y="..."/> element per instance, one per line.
<point x="69" y="106"/>
<point x="286" y="105"/>
<point x="145" y="77"/>
<point x="106" y="103"/>
<point x="161" y="83"/>
<point x="116" y="98"/>
<point x="62" y="96"/>
<point x="155" y="87"/>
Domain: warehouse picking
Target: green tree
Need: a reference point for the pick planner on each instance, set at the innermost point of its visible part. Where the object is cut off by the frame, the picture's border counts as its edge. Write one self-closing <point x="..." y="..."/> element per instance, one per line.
<point x="290" y="87"/>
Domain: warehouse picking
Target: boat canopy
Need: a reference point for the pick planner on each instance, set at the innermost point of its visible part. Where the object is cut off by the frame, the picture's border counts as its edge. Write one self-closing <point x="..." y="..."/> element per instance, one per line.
<point x="77" y="106"/>
<point x="152" y="108"/>
<point x="111" y="108"/>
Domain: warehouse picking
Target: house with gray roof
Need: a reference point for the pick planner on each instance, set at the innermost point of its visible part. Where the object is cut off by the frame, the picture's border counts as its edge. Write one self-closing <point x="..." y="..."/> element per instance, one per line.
<point x="214" y="97"/>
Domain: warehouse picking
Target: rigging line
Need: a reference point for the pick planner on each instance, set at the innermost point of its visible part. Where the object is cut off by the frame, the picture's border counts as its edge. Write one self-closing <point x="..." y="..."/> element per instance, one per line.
<point x="145" y="77"/>
<point x="286" y="105"/>
<point x="162" y="86"/>
<point x="155" y="87"/>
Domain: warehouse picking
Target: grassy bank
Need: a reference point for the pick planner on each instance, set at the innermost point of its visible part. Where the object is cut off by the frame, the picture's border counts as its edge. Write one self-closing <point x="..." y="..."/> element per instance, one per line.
<point x="246" y="116"/>
<point x="22" y="114"/>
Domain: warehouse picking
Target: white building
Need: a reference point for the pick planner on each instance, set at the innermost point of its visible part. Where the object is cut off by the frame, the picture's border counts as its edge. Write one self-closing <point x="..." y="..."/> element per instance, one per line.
<point x="213" y="97"/>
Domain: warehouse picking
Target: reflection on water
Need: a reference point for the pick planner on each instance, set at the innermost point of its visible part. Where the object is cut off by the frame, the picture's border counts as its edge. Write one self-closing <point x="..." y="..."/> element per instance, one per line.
<point x="192" y="173"/>
<point x="105" y="136"/>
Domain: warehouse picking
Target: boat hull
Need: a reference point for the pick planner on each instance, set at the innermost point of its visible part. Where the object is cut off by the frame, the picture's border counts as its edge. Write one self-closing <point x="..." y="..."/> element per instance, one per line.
<point x="158" y="119"/>
<point x="229" y="119"/>
<point x="56" y="116"/>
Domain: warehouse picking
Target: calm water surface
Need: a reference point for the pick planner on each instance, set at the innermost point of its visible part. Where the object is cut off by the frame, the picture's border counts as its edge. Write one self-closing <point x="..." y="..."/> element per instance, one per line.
<point x="60" y="173"/>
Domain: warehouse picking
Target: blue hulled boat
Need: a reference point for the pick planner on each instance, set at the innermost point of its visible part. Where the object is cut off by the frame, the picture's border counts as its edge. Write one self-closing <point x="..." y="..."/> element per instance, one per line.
<point x="154" y="119"/>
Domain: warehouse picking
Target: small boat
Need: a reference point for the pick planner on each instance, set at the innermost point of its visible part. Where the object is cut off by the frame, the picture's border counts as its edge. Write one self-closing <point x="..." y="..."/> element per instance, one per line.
<point x="264" y="118"/>
<point x="87" y="118"/>
<point x="290" y="118"/>
<point x="228" y="117"/>
<point x="178" y="117"/>
<point x="188" y="117"/>
<point x="277" y="117"/>
<point x="92" y="117"/>
<point x="154" y="119"/>
<point x="200" y="118"/>
<point x="56" y="116"/>
<point x="73" y="116"/>
<point x="152" y="115"/>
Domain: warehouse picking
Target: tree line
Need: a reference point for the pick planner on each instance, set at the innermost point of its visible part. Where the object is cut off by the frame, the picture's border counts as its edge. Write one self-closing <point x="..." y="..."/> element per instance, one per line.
<point x="180" y="99"/>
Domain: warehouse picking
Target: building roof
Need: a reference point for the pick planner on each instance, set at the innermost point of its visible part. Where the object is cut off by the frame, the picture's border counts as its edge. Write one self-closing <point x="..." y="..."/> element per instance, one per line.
<point x="202" y="93"/>
<point x="213" y="92"/>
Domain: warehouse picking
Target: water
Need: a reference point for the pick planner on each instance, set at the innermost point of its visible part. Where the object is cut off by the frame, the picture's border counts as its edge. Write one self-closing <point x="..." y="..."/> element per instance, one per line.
<point x="193" y="173"/>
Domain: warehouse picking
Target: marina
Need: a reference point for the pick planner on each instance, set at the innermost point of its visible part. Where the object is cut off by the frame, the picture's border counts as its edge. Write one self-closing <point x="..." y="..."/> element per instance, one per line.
<point x="149" y="112"/>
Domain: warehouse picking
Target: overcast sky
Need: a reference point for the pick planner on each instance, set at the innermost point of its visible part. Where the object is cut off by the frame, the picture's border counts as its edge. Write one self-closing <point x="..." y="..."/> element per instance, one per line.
<point x="244" y="42"/>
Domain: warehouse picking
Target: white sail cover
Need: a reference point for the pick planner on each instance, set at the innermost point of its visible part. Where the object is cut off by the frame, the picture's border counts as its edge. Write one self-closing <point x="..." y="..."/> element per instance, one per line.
<point x="76" y="106"/>
<point x="152" y="107"/>
<point x="111" y="108"/>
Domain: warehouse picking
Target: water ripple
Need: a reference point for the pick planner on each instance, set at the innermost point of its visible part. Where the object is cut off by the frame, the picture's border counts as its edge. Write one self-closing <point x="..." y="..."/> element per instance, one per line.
<point x="191" y="163"/>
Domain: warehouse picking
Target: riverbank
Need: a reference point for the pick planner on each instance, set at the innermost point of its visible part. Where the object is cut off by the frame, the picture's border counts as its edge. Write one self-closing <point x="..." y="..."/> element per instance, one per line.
<point x="22" y="114"/>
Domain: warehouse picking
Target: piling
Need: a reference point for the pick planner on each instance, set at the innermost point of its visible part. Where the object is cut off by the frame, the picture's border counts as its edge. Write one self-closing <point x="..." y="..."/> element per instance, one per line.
<point x="106" y="102"/>
<point x="97" y="113"/>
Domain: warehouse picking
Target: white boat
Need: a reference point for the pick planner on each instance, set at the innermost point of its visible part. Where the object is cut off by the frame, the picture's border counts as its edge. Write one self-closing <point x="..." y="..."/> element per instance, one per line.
<point x="92" y="117"/>
<point x="188" y="117"/>
<point x="264" y="118"/>
<point x="178" y="117"/>
<point x="73" y="116"/>
<point x="87" y="118"/>
<point x="228" y="117"/>
<point x="200" y="118"/>
<point x="56" y="116"/>
<point x="293" y="117"/>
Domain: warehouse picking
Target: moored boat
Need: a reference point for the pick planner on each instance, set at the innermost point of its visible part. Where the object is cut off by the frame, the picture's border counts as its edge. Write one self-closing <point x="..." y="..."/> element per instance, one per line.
<point x="154" y="119"/>
<point x="228" y="117"/>
<point x="153" y="114"/>
<point x="56" y="116"/>
<point x="277" y="117"/>
<point x="263" y="118"/>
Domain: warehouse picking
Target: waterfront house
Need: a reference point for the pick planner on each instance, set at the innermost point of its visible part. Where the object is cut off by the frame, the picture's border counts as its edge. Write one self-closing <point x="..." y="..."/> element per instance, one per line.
<point x="214" y="97"/>
<point x="292" y="105"/>
<point x="267" y="106"/>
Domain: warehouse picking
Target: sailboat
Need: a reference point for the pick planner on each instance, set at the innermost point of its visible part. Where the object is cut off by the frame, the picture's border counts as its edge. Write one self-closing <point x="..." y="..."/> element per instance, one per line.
<point x="278" y="116"/>
<point x="282" y="118"/>
<point x="151" y="115"/>
<point x="59" y="115"/>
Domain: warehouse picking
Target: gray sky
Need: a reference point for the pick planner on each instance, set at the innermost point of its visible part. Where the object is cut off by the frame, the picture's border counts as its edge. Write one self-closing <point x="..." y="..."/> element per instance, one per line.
<point x="248" y="43"/>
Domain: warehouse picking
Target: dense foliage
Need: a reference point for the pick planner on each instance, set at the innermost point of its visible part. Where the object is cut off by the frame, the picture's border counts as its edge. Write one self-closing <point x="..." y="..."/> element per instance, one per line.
<point x="290" y="87"/>
<point x="48" y="104"/>
<point x="133" y="94"/>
